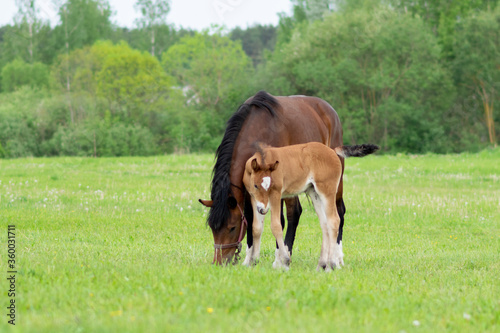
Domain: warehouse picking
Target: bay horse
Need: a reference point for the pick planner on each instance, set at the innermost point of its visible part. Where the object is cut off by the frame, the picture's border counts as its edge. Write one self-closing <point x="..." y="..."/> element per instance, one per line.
<point x="278" y="122"/>
<point x="275" y="173"/>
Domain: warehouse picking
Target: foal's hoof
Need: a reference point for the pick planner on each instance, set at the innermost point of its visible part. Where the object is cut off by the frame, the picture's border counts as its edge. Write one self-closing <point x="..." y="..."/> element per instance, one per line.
<point x="281" y="262"/>
<point x="326" y="267"/>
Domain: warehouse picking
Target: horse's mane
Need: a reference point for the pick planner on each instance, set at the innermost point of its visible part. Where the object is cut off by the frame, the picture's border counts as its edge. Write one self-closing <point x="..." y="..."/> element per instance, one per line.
<point x="221" y="183"/>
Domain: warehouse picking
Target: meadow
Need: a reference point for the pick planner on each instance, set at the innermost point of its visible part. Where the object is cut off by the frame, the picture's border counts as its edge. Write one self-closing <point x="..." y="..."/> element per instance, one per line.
<point x="121" y="245"/>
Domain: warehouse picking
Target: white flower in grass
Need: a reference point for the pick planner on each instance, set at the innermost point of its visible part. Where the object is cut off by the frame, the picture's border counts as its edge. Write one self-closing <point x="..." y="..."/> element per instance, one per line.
<point x="182" y="209"/>
<point x="137" y="210"/>
<point x="416" y="323"/>
<point x="79" y="185"/>
<point x="467" y="316"/>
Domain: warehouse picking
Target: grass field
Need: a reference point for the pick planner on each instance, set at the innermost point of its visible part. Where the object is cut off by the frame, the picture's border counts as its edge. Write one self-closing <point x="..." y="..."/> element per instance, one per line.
<point x="120" y="244"/>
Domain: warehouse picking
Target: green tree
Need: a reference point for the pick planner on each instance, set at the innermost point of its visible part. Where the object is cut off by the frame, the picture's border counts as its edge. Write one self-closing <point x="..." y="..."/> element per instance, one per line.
<point x="27" y="13"/>
<point x="154" y="14"/>
<point x="379" y="69"/>
<point x="477" y="65"/>
<point x="256" y="40"/>
<point x="443" y="16"/>
<point x="315" y="9"/>
<point x="83" y="22"/>
<point x="28" y="38"/>
<point x="134" y="83"/>
<point x="208" y="67"/>
<point x="214" y="75"/>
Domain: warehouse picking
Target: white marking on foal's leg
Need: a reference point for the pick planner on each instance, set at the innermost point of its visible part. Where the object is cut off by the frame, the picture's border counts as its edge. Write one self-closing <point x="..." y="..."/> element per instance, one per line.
<point x="266" y="182"/>
<point x="320" y="211"/>
<point x="279" y="260"/>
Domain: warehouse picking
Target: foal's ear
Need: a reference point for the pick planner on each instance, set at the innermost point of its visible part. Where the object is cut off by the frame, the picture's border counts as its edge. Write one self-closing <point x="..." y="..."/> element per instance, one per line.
<point x="255" y="165"/>
<point x="273" y="166"/>
<point x="206" y="203"/>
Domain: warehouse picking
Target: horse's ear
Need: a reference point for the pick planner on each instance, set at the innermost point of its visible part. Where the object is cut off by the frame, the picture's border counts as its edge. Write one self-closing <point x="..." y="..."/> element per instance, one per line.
<point x="206" y="203"/>
<point x="255" y="165"/>
<point x="273" y="166"/>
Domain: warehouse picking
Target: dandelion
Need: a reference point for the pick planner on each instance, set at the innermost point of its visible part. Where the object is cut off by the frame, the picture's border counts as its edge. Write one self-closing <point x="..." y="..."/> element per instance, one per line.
<point x="181" y="293"/>
<point x="210" y="310"/>
<point x="268" y="308"/>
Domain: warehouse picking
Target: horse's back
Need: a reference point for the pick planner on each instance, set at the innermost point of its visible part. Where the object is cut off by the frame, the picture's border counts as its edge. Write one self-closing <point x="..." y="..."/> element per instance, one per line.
<point x="313" y="118"/>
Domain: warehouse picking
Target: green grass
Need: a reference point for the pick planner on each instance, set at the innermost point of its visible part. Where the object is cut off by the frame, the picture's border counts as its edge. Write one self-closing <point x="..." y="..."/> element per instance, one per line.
<point x="120" y="244"/>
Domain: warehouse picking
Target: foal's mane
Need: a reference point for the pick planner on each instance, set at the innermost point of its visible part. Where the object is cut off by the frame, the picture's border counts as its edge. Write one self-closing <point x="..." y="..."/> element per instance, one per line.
<point x="221" y="183"/>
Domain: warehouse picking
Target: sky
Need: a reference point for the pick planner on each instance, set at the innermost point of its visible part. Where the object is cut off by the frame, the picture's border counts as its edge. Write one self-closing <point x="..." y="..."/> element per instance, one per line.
<point x="195" y="14"/>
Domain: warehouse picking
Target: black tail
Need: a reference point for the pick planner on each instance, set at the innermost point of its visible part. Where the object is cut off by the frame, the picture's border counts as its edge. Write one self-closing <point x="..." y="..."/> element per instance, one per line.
<point x="356" y="150"/>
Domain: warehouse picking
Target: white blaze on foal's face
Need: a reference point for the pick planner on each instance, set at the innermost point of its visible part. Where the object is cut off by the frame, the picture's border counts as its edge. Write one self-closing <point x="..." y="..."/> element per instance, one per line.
<point x="266" y="182"/>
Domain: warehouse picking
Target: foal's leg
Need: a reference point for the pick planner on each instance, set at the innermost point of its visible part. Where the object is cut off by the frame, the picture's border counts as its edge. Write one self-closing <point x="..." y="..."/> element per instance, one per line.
<point x="293" y="212"/>
<point x="282" y="255"/>
<point x="333" y="224"/>
<point x="320" y="211"/>
<point x="253" y="253"/>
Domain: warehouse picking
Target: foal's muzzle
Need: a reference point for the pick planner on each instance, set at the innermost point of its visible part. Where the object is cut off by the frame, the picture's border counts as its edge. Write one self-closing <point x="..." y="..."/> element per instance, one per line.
<point x="262" y="209"/>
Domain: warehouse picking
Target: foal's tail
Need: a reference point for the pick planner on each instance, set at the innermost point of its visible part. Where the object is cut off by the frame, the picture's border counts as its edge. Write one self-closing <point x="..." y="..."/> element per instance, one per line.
<point x="356" y="150"/>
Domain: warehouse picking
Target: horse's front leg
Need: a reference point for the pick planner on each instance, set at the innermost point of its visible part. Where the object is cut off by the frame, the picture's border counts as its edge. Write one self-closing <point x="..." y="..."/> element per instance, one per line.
<point x="293" y="212"/>
<point x="282" y="254"/>
<point x="253" y="252"/>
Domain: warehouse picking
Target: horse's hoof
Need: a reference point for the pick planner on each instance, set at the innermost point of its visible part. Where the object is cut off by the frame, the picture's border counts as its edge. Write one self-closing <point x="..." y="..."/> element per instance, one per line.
<point x="321" y="266"/>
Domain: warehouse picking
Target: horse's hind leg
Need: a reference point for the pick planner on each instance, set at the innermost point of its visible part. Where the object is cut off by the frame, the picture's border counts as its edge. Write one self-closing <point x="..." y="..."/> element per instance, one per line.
<point x="341" y="211"/>
<point x="293" y="212"/>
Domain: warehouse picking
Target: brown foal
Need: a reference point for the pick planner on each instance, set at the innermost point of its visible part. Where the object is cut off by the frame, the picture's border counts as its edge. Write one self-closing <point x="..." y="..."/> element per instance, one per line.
<point x="313" y="168"/>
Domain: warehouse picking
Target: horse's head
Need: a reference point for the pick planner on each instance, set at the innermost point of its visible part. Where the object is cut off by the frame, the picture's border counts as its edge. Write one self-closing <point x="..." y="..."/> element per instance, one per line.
<point x="257" y="180"/>
<point x="228" y="224"/>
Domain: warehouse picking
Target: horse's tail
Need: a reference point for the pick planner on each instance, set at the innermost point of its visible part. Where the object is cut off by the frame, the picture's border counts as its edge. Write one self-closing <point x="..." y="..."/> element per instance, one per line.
<point x="356" y="150"/>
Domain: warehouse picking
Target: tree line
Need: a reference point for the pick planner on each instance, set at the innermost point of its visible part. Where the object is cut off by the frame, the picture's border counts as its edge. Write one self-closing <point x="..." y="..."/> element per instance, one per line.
<point x="413" y="76"/>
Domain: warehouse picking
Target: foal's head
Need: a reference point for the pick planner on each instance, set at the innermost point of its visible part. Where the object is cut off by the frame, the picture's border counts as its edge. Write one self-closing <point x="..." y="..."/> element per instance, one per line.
<point x="258" y="181"/>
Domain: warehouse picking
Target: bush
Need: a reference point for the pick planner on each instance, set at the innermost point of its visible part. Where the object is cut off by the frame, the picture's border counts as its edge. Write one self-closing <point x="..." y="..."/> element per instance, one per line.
<point x="19" y="73"/>
<point x="115" y="140"/>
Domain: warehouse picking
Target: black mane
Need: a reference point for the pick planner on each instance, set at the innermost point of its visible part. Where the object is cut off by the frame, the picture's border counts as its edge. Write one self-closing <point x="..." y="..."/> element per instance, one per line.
<point x="221" y="184"/>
